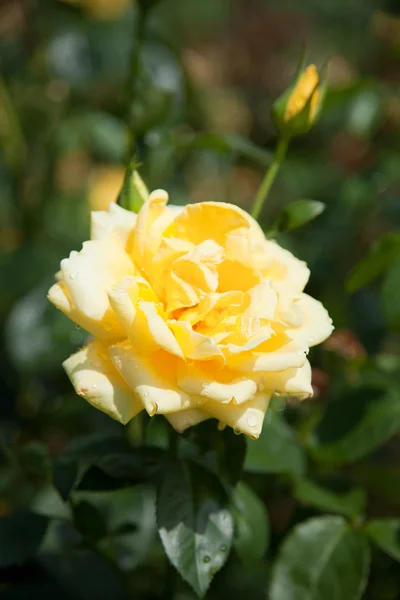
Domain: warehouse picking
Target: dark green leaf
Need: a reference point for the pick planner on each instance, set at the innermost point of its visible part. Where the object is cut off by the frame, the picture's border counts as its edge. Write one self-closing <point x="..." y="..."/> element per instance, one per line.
<point x="391" y="295"/>
<point x="130" y="517"/>
<point x="350" y="504"/>
<point x="381" y="256"/>
<point x="89" y="521"/>
<point x="81" y="571"/>
<point x="299" y="213"/>
<point x="386" y="534"/>
<point x="321" y="559"/>
<point x="20" y="536"/>
<point x="219" y="451"/>
<point x="372" y="417"/>
<point x="195" y="524"/>
<point x="276" y="450"/>
<point x="251" y="525"/>
<point x="66" y="476"/>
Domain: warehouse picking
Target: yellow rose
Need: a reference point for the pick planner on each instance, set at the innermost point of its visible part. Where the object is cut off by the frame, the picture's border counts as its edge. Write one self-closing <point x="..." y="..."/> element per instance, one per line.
<point x="194" y="315"/>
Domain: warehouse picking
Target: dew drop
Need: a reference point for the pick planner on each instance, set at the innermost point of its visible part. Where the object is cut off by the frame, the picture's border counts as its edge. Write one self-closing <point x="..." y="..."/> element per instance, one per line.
<point x="237" y="432"/>
<point x="73" y="275"/>
<point x="206" y="559"/>
<point x="310" y="339"/>
<point x="252" y="420"/>
<point x="94" y="386"/>
<point x="145" y="395"/>
<point x="300" y="352"/>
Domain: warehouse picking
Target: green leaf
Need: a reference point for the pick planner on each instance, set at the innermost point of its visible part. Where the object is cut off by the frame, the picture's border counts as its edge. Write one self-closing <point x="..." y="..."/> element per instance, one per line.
<point x="276" y="450"/>
<point x="66" y="476"/>
<point x="220" y="451"/>
<point x="372" y="417"/>
<point x="380" y="257"/>
<point x="386" y="534"/>
<point x="195" y="524"/>
<point x="350" y="504"/>
<point x="130" y="518"/>
<point x="81" y="571"/>
<point x="252" y="529"/>
<point x="321" y="559"/>
<point x="299" y="213"/>
<point x="89" y="521"/>
<point x="20" y="536"/>
<point x="391" y="295"/>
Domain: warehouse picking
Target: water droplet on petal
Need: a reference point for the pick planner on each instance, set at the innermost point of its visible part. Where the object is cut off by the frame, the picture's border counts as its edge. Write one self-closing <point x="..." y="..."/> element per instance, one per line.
<point x="94" y="386"/>
<point x="252" y="420"/>
<point x="237" y="432"/>
<point x="300" y="352"/>
<point x="310" y="339"/>
<point x="206" y="559"/>
<point x="73" y="275"/>
<point x="146" y="394"/>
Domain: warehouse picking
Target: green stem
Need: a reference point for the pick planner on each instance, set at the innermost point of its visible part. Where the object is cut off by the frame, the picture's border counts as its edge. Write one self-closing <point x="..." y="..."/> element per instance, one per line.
<point x="269" y="178"/>
<point x="139" y="36"/>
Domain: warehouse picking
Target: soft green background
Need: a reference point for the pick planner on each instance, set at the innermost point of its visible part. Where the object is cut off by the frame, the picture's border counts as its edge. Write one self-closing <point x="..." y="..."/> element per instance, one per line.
<point x="209" y="72"/>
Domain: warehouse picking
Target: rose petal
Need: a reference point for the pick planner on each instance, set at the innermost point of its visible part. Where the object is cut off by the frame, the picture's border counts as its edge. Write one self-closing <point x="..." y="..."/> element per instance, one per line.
<point x="94" y="377"/>
<point x="194" y="345"/>
<point x="285" y="268"/>
<point x="186" y="418"/>
<point x="88" y="275"/>
<point x="295" y="382"/>
<point x="152" y="378"/>
<point x="117" y="222"/>
<point x="246" y="418"/>
<point x="316" y="324"/>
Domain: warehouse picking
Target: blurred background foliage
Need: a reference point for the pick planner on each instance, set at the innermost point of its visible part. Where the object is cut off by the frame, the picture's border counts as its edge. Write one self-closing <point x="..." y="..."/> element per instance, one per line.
<point x="209" y="71"/>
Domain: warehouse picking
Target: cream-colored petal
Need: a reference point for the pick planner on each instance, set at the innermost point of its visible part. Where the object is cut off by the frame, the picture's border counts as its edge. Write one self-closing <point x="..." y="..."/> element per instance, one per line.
<point x="90" y="273"/>
<point x="195" y="346"/>
<point x="246" y="418"/>
<point x="294" y="382"/>
<point x="95" y="379"/>
<point x="193" y="276"/>
<point x="281" y="266"/>
<point x="254" y="342"/>
<point x="152" y="379"/>
<point x="316" y="325"/>
<point x="152" y="220"/>
<point x="263" y="301"/>
<point x="134" y="303"/>
<point x="117" y="223"/>
<point x="288" y="356"/>
<point x="184" y="419"/>
<point x="107" y="328"/>
<point x="194" y="380"/>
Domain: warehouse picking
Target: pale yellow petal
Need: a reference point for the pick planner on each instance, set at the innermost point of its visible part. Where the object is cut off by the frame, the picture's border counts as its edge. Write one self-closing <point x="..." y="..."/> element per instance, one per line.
<point x="285" y="357"/>
<point x="108" y="328"/>
<point x="282" y="267"/>
<point x="152" y="378"/>
<point x="294" y="382"/>
<point x="90" y="273"/>
<point x="195" y="380"/>
<point x="135" y="305"/>
<point x="184" y="419"/>
<point x="117" y="222"/>
<point x="315" y="325"/>
<point x="95" y="379"/>
<point x="246" y="418"/>
<point x="195" y="346"/>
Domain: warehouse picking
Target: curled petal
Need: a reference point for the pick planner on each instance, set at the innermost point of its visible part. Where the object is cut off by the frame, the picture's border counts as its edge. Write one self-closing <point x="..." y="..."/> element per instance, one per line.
<point x="293" y="382"/>
<point x="201" y="382"/>
<point x="315" y="325"/>
<point x="184" y="419"/>
<point x="94" y="377"/>
<point x="117" y="223"/>
<point x="270" y="360"/>
<point x="246" y="418"/>
<point x="152" y="379"/>
<point x="282" y="267"/>
<point x="90" y="273"/>
<point x="135" y="305"/>
<point x="106" y="328"/>
<point x="195" y="346"/>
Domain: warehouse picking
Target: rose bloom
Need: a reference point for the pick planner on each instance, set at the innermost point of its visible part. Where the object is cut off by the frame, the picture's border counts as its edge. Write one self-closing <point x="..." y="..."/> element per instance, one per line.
<point x="194" y="315"/>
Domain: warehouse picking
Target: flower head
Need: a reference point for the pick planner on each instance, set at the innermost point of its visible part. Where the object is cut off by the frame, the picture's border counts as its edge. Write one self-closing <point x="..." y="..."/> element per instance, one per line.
<point x="194" y="315"/>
